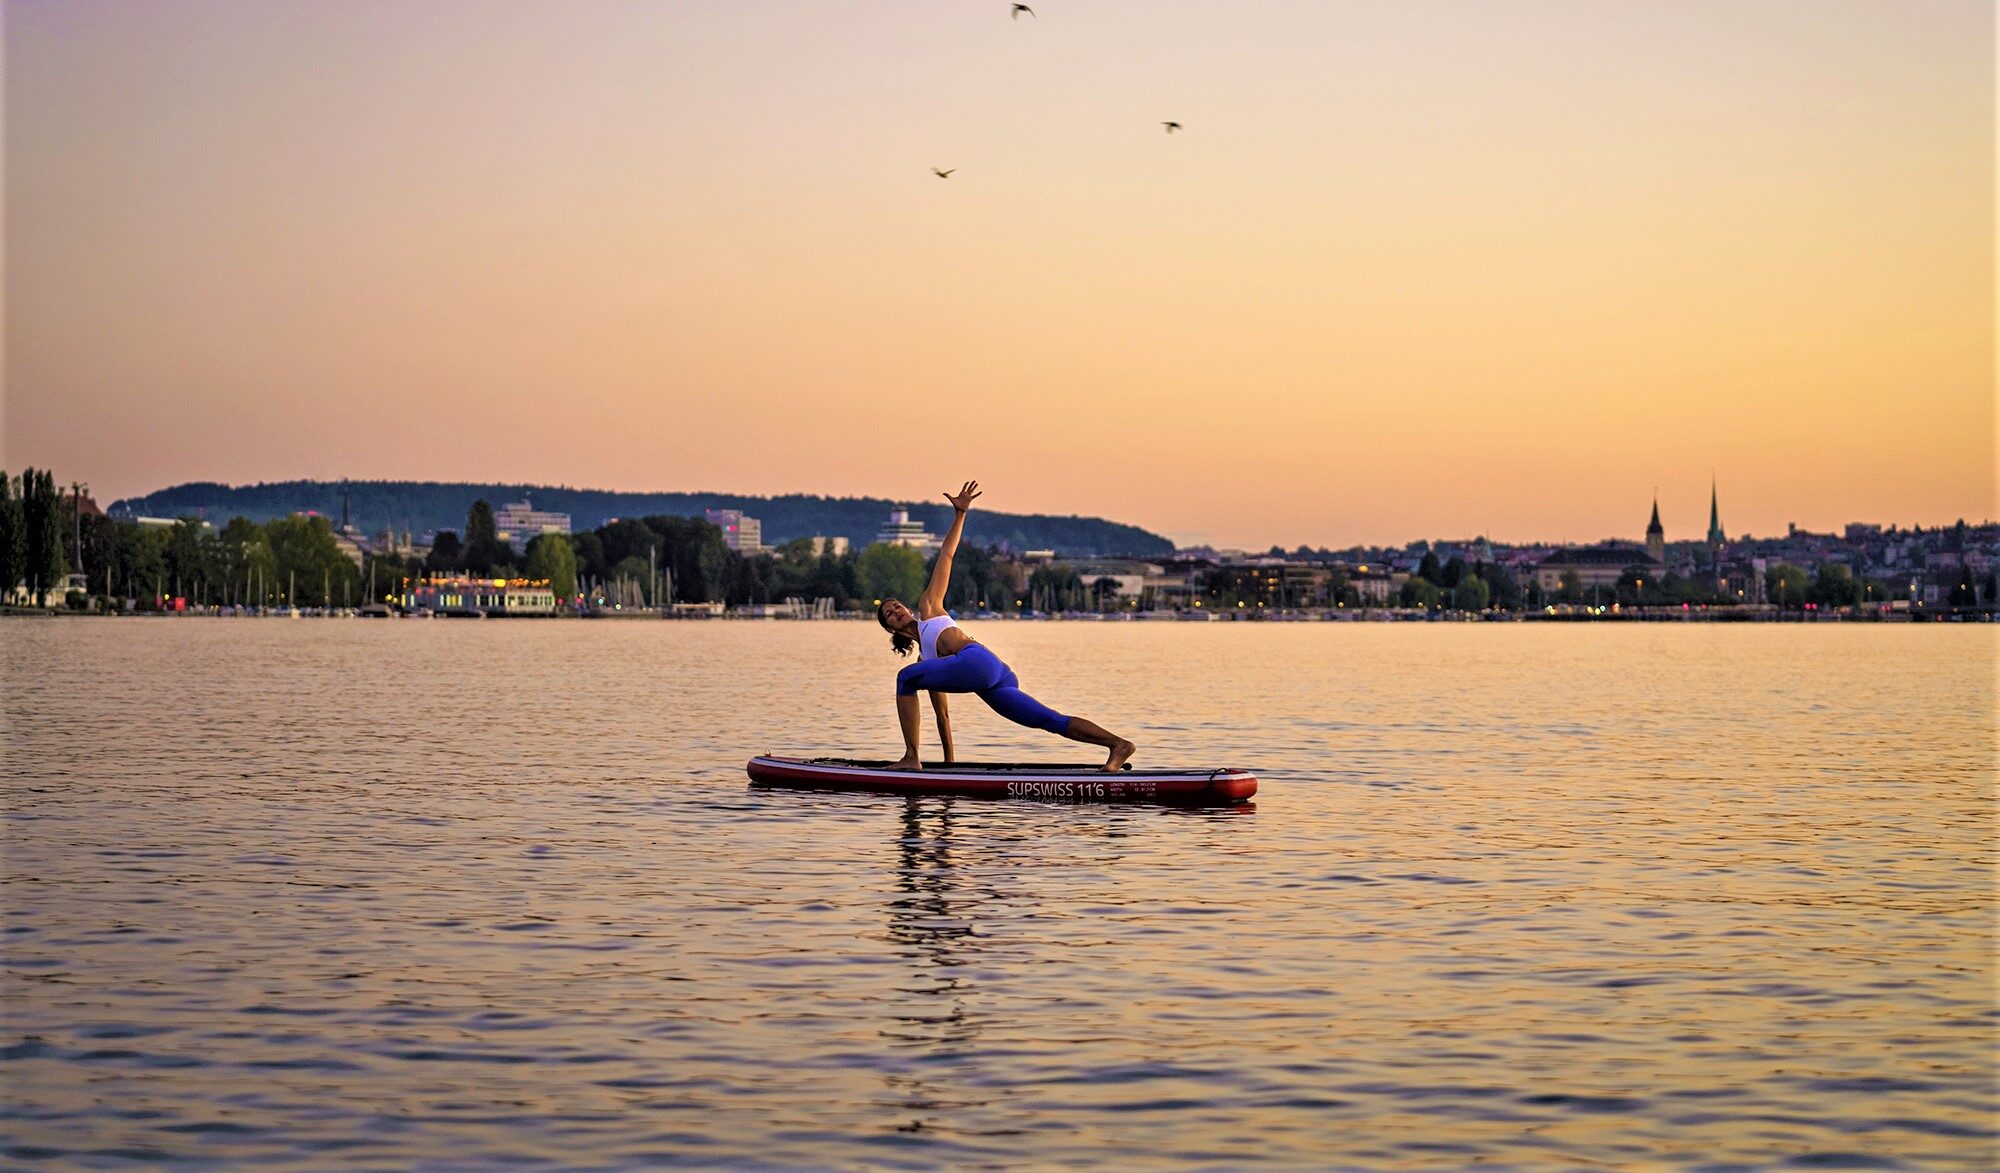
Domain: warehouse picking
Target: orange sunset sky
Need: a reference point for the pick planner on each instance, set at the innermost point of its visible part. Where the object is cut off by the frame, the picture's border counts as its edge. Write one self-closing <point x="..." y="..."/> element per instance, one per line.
<point x="1410" y="268"/>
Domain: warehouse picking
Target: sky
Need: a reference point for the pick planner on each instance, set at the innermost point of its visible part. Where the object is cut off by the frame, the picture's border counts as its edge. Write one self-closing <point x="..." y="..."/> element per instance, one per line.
<point x="1409" y="269"/>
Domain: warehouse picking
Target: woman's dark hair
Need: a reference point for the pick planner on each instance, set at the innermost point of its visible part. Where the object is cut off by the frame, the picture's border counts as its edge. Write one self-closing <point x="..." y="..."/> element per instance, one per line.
<point x="897" y="640"/>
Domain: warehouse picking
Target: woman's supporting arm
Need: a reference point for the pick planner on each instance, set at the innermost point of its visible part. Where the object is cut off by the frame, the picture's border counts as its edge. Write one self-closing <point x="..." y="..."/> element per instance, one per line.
<point x="944" y="725"/>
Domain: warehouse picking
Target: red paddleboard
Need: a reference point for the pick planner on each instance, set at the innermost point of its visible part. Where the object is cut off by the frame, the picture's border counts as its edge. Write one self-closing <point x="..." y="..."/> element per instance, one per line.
<point x="1066" y="783"/>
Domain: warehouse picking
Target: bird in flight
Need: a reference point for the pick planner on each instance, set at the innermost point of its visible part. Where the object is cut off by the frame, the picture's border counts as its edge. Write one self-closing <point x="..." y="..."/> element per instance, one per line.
<point x="1019" y="9"/>
<point x="1171" y="126"/>
<point x="945" y="174"/>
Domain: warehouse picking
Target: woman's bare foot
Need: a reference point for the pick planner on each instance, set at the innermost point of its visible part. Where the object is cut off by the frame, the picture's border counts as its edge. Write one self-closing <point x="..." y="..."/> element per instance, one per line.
<point x="1120" y="754"/>
<point x="910" y="763"/>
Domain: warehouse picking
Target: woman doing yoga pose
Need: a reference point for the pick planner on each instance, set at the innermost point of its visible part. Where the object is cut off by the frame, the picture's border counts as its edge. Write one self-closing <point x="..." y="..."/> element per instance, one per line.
<point x="948" y="660"/>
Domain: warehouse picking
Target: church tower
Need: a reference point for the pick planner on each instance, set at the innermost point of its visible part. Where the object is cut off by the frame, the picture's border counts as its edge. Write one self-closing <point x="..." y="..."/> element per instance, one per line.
<point x="1715" y="537"/>
<point x="1656" y="538"/>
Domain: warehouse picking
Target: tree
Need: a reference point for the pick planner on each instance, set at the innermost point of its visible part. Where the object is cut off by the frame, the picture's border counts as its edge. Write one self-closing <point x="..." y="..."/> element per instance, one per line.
<point x="690" y="549"/>
<point x="628" y="537"/>
<point x="1471" y="594"/>
<point x="142" y="561"/>
<point x="243" y="552"/>
<point x="485" y="553"/>
<point x="1336" y="588"/>
<point x="1428" y="569"/>
<point x="1104" y="591"/>
<point x="100" y="549"/>
<point x="1503" y="589"/>
<point x="550" y="556"/>
<point x="189" y="561"/>
<point x="1644" y="585"/>
<point x="1835" y="586"/>
<point x="310" y="566"/>
<point x="41" y="515"/>
<point x="835" y="577"/>
<point x="748" y="579"/>
<point x="889" y="571"/>
<point x="1786" y="585"/>
<point x="1421" y="592"/>
<point x="384" y="576"/>
<point x="13" y="542"/>
<point x="976" y="579"/>
<point x="589" y="549"/>
<point x="447" y="554"/>
<point x="1571" y="587"/>
<point x="1453" y="572"/>
<point x="1963" y="594"/>
<point x="635" y="571"/>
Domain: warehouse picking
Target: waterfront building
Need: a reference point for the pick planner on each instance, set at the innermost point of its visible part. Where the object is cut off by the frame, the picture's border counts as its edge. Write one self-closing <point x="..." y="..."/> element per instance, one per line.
<point x="1376" y="586"/>
<point x="899" y="530"/>
<point x="1656" y="536"/>
<point x="1596" y="566"/>
<point x="461" y="595"/>
<point x="822" y="546"/>
<point x="743" y="534"/>
<point x="55" y="597"/>
<point x="521" y="523"/>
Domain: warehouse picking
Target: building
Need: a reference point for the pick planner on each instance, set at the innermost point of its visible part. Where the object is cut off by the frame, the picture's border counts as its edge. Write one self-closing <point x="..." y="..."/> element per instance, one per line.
<point x="460" y="595"/>
<point x="1596" y="566"/>
<point x="521" y="523"/>
<point x="1108" y="588"/>
<point x="1716" y="539"/>
<point x="351" y="544"/>
<point x="745" y="535"/>
<point x="899" y="530"/>
<point x="822" y="546"/>
<point x="56" y="596"/>
<point x="1656" y="536"/>
<point x="1376" y="586"/>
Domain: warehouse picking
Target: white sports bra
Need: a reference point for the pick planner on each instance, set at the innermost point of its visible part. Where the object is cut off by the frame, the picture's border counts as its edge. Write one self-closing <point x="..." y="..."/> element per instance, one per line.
<point x="927" y="633"/>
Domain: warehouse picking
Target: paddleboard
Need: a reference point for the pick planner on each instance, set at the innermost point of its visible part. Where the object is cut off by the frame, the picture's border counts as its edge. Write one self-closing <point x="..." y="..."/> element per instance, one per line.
<point x="1061" y="783"/>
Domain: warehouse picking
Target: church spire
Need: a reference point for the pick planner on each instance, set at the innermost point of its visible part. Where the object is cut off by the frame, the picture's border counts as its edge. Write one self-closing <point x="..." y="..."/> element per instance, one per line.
<point x="1715" y="537"/>
<point x="1656" y="535"/>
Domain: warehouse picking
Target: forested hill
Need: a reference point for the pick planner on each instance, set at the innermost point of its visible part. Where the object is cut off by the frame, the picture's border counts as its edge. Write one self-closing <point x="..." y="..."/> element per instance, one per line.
<point x="431" y="505"/>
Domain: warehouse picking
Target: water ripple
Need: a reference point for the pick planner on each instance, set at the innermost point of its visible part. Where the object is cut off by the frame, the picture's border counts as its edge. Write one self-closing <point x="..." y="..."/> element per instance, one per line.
<point x="465" y="895"/>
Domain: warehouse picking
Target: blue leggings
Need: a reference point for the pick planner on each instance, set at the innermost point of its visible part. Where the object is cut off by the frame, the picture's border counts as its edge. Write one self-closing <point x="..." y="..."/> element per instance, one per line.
<point x="974" y="669"/>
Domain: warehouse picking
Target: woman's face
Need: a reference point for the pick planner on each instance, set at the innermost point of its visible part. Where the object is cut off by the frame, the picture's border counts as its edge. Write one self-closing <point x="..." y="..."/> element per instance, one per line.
<point x="895" y="615"/>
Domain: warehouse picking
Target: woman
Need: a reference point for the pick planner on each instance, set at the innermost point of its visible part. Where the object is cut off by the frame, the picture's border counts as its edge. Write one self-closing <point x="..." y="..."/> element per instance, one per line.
<point x="948" y="660"/>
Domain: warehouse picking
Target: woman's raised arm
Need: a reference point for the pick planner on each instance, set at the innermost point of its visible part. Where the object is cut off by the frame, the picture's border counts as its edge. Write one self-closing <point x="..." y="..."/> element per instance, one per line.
<point x="932" y="603"/>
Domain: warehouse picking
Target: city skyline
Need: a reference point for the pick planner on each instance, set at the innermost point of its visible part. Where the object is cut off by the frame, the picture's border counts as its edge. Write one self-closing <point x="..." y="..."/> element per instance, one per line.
<point x="749" y="503"/>
<point x="1402" y="270"/>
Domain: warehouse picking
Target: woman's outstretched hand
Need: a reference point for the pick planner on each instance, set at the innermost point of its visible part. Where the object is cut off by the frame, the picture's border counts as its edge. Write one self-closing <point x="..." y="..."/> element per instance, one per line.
<point x="963" y="501"/>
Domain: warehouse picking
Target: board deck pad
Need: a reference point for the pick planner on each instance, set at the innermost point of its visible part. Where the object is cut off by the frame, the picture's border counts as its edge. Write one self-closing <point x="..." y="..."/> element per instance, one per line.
<point x="1069" y="782"/>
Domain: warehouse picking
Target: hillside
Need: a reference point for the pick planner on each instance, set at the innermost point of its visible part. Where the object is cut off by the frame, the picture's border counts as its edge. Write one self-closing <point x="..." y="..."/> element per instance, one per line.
<point x="434" y="505"/>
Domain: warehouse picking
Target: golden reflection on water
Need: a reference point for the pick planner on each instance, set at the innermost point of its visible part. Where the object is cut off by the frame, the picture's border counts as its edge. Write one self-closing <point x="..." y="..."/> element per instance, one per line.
<point x="301" y="892"/>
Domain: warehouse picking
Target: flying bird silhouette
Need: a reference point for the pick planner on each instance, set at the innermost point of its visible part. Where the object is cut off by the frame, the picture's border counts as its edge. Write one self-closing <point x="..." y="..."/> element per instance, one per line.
<point x="943" y="174"/>
<point x="1171" y="126"/>
<point x="1019" y="9"/>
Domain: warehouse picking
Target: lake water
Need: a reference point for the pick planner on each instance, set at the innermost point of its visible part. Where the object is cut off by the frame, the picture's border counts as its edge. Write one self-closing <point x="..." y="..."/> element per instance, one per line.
<point x="458" y="894"/>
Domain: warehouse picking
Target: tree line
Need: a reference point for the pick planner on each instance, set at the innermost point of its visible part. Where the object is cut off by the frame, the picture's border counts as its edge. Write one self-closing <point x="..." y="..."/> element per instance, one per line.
<point x="297" y="560"/>
<point x="423" y="505"/>
<point x="31" y="535"/>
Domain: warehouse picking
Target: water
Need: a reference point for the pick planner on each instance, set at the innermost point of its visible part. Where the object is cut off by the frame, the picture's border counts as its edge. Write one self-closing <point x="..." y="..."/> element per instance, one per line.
<point x="305" y="893"/>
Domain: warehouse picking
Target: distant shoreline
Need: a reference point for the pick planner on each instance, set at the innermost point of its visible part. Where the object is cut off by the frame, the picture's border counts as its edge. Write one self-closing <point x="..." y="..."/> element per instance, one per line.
<point x="1360" y="615"/>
